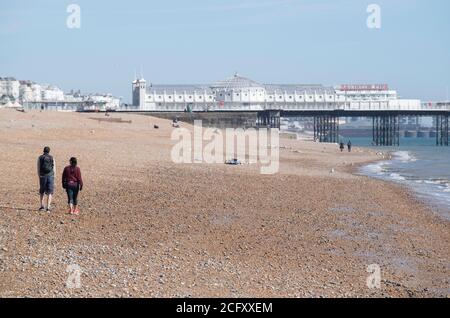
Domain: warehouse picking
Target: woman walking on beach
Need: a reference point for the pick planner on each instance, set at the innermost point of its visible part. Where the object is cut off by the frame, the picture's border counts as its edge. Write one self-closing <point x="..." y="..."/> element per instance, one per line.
<point x="73" y="183"/>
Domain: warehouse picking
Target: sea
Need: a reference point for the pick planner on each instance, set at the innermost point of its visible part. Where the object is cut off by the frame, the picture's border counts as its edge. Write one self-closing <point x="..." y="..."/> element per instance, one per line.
<point x="417" y="164"/>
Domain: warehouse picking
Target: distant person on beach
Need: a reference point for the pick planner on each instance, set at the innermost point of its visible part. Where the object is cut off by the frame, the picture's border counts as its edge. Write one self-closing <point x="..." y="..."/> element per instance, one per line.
<point x="341" y="146"/>
<point x="349" y="146"/>
<point x="46" y="168"/>
<point x="73" y="183"/>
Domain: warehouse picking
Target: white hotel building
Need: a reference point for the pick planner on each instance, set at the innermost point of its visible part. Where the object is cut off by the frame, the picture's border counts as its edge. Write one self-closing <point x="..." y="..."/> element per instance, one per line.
<point x="239" y="93"/>
<point x="30" y="95"/>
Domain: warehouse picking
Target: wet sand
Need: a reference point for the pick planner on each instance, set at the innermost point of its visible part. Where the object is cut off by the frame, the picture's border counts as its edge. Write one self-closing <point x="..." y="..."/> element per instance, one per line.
<point x="152" y="228"/>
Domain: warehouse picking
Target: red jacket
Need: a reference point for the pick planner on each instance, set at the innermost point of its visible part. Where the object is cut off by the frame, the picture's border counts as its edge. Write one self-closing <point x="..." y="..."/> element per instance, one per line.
<point x="72" y="177"/>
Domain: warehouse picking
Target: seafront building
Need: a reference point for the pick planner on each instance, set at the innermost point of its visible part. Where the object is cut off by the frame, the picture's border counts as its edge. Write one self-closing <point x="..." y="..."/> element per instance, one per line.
<point x="239" y="93"/>
<point x="10" y="87"/>
<point x="31" y="95"/>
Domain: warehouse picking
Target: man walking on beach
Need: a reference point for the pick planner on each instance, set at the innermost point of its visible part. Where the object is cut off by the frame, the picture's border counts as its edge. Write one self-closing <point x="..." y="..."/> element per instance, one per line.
<point x="349" y="146"/>
<point x="46" y="171"/>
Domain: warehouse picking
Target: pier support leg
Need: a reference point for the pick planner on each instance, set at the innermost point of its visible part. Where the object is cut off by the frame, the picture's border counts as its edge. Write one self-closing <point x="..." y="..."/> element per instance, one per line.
<point x="314" y="126"/>
<point x="386" y="130"/>
<point x="326" y="128"/>
<point x="269" y="119"/>
<point x="442" y="130"/>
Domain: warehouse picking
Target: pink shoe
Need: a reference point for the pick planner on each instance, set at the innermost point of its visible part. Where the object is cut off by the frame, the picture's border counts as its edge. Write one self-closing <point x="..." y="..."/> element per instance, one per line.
<point x="76" y="211"/>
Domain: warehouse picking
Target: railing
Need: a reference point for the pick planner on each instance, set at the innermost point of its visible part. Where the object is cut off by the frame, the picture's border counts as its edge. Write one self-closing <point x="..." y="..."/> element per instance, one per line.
<point x="386" y="105"/>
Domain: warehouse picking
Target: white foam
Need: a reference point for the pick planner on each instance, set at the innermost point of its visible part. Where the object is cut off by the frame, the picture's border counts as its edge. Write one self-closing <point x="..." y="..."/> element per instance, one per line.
<point x="396" y="176"/>
<point x="432" y="182"/>
<point x="404" y="156"/>
<point x="376" y="168"/>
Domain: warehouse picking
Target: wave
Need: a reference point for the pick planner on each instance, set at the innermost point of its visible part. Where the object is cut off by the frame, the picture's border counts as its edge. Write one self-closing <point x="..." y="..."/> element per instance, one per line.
<point x="404" y="156"/>
<point x="433" y="182"/>
<point x="402" y="169"/>
<point x="396" y="176"/>
<point x="375" y="168"/>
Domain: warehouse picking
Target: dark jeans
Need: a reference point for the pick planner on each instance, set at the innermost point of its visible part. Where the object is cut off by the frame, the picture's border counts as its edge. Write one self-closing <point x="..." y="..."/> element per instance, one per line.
<point x="72" y="195"/>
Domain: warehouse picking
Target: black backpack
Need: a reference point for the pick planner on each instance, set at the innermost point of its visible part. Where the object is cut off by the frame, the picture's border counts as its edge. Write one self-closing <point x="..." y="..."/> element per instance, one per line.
<point x="46" y="164"/>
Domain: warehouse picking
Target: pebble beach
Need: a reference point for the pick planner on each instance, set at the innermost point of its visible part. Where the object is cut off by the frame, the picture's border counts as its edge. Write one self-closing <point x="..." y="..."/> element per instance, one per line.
<point x="153" y="228"/>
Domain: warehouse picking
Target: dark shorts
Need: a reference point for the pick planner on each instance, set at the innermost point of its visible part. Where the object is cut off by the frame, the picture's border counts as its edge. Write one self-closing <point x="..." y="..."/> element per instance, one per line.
<point x="47" y="184"/>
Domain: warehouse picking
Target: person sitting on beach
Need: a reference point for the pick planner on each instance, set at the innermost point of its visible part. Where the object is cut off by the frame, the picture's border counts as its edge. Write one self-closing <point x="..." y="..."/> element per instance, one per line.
<point x="341" y="146"/>
<point x="46" y="168"/>
<point x="349" y="146"/>
<point x="73" y="183"/>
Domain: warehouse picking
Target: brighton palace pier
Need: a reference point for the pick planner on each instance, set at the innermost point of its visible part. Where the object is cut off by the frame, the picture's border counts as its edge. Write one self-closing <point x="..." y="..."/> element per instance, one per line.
<point x="269" y="102"/>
